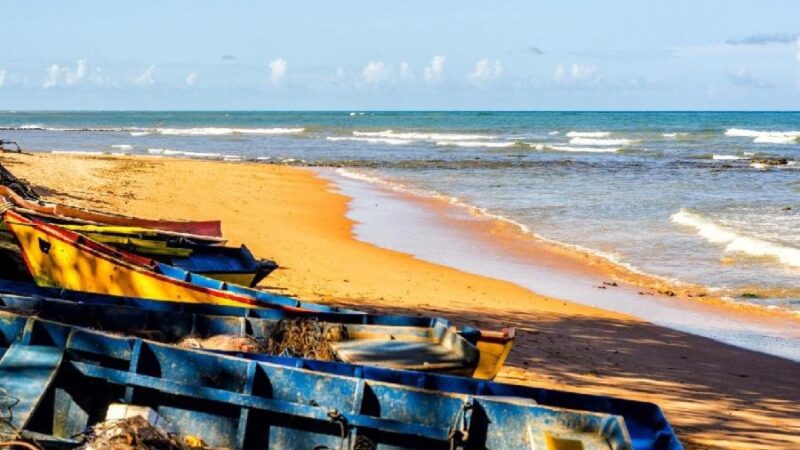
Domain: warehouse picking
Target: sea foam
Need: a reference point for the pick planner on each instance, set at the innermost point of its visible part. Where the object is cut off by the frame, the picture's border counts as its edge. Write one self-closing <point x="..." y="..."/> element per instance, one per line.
<point x="217" y="131"/>
<point x="736" y="242"/>
<point x="372" y="140"/>
<point x="589" y="134"/>
<point x="599" y="141"/>
<point x="476" y="144"/>
<point x="413" y="135"/>
<point x="765" y="137"/>
<point x="569" y="148"/>
<point x="727" y="157"/>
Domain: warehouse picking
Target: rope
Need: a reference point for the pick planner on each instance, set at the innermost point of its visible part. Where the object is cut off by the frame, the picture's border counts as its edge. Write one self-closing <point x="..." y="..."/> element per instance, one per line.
<point x="308" y="338"/>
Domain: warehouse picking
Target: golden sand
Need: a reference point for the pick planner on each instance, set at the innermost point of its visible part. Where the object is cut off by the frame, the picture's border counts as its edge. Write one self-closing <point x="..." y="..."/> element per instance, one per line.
<point x="716" y="396"/>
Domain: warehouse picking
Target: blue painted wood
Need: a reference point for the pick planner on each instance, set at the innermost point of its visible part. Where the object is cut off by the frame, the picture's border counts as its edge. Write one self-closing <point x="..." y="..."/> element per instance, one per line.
<point x="209" y="260"/>
<point x="646" y="423"/>
<point x="254" y="405"/>
<point x="26" y="371"/>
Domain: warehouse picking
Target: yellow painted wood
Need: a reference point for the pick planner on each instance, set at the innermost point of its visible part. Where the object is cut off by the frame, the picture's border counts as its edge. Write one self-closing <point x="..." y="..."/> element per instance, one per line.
<point x="65" y="265"/>
<point x="141" y="246"/>
<point x="111" y="229"/>
<point x="492" y="357"/>
<point x="242" y="279"/>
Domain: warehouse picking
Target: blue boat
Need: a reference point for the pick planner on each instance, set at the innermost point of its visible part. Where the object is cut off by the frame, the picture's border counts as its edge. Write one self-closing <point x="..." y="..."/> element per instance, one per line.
<point x="646" y="424"/>
<point x="384" y="341"/>
<point x="58" y="380"/>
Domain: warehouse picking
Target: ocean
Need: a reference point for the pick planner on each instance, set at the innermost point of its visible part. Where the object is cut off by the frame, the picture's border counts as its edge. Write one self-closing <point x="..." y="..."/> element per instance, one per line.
<point x="707" y="198"/>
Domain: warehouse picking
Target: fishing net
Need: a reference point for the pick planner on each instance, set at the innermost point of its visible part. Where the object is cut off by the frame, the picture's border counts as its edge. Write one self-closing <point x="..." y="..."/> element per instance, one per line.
<point x="299" y="338"/>
<point x="133" y="433"/>
<point x="307" y="338"/>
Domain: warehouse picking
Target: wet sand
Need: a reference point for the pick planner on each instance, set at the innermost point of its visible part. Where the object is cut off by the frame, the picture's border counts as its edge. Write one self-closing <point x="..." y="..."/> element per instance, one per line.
<point x="716" y="395"/>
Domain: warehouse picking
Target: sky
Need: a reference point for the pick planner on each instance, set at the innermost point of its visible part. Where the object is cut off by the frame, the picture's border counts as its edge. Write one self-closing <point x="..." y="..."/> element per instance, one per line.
<point x="409" y="55"/>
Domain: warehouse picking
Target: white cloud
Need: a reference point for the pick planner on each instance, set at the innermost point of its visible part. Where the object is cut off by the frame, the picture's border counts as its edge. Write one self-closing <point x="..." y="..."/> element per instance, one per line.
<point x="375" y="72"/>
<point x="66" y="76"/>
<point x="435" y="72"/>
<point x="405" y="71"/>
<point x="484" y="70"/>
<point x="2" y="77"/>
<point x="277" y="71"/>
<point x="146" y="78"/>
<point x="575" y="73"/>
<point x="191" y="79"/>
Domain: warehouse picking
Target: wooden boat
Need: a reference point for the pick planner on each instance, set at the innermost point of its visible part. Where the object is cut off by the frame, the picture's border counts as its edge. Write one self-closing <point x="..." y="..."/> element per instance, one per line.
<point x="63" y="379"/>
<point x="406" y="342"/>
<point x="229" y="264"/>
<point x="57" y="257"/>
<point x="212" y="228"/>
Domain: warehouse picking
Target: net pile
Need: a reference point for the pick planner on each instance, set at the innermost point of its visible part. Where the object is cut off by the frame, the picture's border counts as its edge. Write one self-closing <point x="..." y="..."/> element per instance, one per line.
<point x="301" y="338"/>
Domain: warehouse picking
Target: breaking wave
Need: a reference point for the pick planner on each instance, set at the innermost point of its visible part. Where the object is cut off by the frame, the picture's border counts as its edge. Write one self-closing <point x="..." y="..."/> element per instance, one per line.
<point x="215" y="131"/>
<point x="372" y="140"/>
<point x="601" y="142"/>
<point x="569" y="148"/>
<point x="423" y="136"/>
<point x="765" y="137"/>
<point x="588" y="134"/>
<point x="736" y="242"/>
<point x="476" y="144"/>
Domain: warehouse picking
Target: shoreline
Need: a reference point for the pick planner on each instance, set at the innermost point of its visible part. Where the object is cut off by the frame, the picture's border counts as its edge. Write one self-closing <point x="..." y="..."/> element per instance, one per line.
<point x="716" y="395"/>
<point x="549" y="269"/>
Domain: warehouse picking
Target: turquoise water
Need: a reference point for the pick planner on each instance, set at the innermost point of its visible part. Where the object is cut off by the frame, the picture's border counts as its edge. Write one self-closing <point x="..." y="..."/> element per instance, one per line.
<point x="708" y="198"/>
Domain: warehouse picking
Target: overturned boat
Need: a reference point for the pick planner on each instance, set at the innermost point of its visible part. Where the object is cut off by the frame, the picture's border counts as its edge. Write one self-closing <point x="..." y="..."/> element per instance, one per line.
<point x="47" y="369"/>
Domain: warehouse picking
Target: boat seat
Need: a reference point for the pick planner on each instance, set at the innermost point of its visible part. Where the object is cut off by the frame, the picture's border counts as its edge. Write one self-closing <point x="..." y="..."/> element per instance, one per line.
<point x="26" y="373"/>
<point x="396" y="354"/>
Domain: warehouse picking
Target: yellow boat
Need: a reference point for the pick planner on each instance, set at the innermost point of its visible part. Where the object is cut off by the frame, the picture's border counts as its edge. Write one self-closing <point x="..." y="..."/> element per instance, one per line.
<point x="57" y="257"/>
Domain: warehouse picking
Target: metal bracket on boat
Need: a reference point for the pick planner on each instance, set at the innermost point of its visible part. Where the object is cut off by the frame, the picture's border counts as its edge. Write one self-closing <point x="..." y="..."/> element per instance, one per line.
<point x="458" y="434"/>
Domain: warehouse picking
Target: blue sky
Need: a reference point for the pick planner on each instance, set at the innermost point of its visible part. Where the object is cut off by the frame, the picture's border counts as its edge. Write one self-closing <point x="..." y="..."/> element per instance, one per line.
<point x="400" y="55"/>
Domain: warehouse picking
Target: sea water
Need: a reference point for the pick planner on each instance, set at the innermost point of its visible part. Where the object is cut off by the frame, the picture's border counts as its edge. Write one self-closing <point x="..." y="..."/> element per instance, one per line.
<point x="711" y="198"/>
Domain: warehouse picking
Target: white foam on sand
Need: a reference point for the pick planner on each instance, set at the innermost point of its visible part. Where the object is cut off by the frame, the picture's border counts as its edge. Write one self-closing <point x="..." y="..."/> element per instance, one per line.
<point x="736" y="242"/>
<point x="170" y="152"/>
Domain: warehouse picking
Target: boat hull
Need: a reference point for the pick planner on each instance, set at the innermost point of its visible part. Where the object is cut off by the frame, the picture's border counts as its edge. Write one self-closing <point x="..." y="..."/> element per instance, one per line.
<point x="59" y="258"/>
<point x="235" y="403"/>
<point x="211" y="228"/>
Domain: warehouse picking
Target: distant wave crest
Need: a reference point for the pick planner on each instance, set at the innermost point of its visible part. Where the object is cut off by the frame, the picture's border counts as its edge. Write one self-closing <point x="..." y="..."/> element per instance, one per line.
<point x="765" y="137"/>
<point x="588" y="134"/>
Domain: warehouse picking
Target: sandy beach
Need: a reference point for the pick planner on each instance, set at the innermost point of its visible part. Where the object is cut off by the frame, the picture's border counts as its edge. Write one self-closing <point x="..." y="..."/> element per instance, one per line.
<point x="716" y="395"/>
